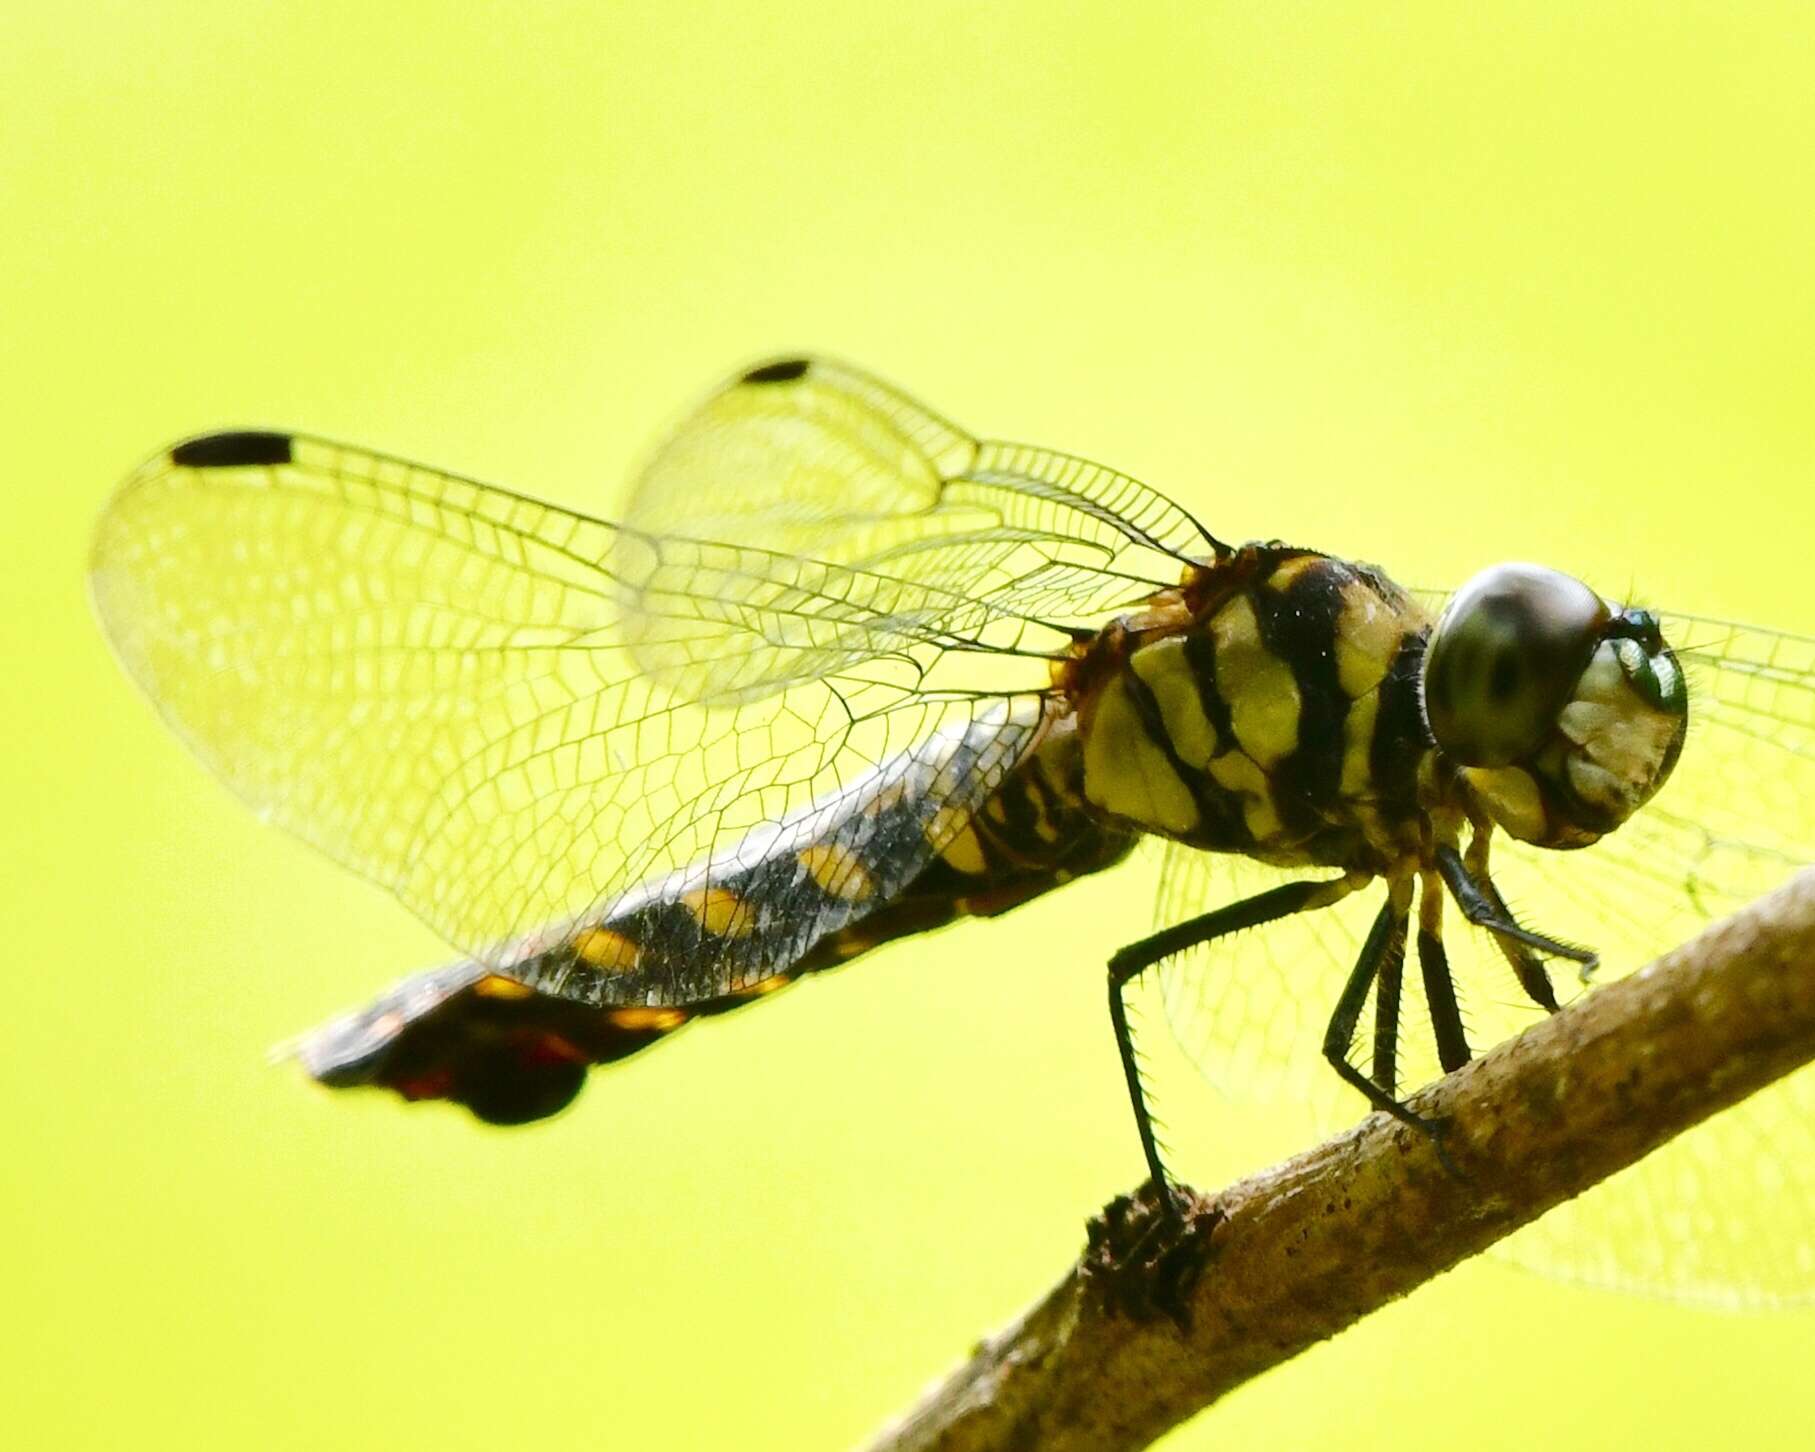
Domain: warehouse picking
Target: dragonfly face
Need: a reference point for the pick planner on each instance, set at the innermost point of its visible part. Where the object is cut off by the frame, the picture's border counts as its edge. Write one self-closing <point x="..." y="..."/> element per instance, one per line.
<point x="846" y="674"/>
<point x="1567" y="713"/>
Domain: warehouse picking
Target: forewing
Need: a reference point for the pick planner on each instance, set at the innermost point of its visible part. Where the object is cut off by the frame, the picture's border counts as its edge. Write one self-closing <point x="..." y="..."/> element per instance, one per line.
<point x="438" y="682"/>
<point x="817" y="459"/>
<point x="1724" y="1214"/>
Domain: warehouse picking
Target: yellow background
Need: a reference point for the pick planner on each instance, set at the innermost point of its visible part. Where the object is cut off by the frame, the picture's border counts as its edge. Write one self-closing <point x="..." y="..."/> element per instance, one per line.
<point x="1429" y="284"/>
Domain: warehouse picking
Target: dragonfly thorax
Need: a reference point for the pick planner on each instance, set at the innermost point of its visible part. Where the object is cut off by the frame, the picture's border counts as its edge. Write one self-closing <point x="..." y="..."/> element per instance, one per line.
<point x="1269" y="707"/>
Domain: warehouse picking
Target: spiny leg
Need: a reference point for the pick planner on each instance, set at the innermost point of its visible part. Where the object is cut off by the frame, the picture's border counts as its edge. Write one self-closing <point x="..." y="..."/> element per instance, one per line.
<point x="1525" y="964"/>
<point x="1384" y="951"/>
<point x="1389" y="982"/>
<point x="1439" y="994"/>
<point x="1439" y="983"/>
<point x="1136" y="958"/>
<point x="1147" y="1253"/>
<point x="1482" y="907"/>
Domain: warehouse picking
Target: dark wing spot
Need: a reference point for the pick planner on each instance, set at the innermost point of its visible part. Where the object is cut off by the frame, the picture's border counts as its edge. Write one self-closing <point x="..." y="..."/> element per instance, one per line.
<point x="785" y="370"/>
<point x="232" y="450"/>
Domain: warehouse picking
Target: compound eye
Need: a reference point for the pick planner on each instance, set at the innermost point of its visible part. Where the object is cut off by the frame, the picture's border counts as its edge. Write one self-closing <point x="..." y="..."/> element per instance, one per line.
<point x="1504" y="660"/>
<point x="1652" y="671"/>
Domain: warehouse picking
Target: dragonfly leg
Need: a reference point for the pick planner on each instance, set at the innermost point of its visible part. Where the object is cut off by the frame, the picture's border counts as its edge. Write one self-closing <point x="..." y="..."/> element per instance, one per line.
<point x="1383" y="952"/>
<point x="1389" y="982"/>
<point x="1481" y="904"/>
<point x="1130" y="962"/>
<point x="1383" y="957"/>
<point x="1439" y="984"/>
<point x="1526" y="965"/>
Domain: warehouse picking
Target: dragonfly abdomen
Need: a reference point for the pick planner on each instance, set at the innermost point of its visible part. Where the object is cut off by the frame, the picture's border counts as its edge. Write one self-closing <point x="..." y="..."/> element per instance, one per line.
<point x="1034" y="833"/>
<point x="514" y="1045"/>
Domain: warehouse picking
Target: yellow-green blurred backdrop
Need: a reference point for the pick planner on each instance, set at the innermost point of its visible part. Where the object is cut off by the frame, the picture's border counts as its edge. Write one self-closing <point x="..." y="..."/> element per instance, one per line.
<point x="1431" y="284"/>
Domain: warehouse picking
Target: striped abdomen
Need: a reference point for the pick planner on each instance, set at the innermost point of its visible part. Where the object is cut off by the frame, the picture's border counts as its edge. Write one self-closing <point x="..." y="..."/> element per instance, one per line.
<point x="515" y="1047"/>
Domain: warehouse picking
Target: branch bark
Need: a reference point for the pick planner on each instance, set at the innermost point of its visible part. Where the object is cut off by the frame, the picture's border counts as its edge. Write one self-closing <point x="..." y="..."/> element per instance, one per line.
<point x="1311" y="1246"/>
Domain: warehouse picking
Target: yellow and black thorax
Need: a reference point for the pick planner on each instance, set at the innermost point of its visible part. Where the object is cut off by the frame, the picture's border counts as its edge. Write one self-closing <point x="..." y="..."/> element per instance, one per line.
<point x="1269" y="705"/>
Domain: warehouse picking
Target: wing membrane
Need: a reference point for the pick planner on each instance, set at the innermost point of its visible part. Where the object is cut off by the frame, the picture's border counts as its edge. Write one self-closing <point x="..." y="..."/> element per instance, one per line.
<point x="814" y="458"/>
<point x="442" y="685"/>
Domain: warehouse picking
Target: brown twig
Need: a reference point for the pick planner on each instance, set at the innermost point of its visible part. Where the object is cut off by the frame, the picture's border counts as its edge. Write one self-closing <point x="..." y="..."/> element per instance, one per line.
<point x="1315" y="1244"/>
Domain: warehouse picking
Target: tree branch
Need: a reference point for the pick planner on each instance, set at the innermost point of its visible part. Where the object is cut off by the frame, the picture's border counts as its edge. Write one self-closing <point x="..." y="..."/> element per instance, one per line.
<point x="1311" y="1246"/>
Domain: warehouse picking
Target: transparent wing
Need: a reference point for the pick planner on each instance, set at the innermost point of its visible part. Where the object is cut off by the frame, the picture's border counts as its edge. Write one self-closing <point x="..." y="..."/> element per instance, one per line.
<point x="1724" y="1214"/>
<point x="441" y="684"/>
<point x="811" y="457"/>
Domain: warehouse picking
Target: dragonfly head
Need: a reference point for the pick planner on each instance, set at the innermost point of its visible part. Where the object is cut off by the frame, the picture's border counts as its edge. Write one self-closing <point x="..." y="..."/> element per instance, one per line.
<point x="1564" y="714"/>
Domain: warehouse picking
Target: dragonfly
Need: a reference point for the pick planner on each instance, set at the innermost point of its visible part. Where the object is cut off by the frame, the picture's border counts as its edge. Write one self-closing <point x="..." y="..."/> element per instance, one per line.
<point x="844" y="673"/>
